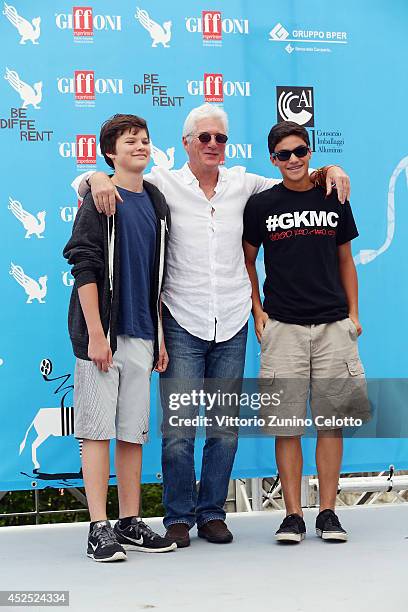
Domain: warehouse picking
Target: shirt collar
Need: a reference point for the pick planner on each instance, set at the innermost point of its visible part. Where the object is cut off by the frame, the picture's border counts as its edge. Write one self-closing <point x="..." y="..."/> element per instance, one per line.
<point x="189" y="177"/>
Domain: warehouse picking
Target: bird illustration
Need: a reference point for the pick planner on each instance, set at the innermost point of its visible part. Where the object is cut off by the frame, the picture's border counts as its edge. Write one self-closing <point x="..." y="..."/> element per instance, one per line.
<point x="27" y="30"/>
<point x="31" y="224"/>
<point x="35" y="290"/>
<point x="29" y="95"/>
<point x="160" y="34"/>
<point x="161" y="159"/>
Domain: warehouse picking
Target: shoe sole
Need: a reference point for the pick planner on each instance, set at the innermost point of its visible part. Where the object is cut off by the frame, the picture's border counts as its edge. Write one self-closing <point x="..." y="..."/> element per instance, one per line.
<point x="172" y="546"/>
<point x="182" y="543"/>
<point x="118" y="556"/>
<point x="290" y="537"/>
<point x="333" y="537"/>
<point x="215" y="541"/>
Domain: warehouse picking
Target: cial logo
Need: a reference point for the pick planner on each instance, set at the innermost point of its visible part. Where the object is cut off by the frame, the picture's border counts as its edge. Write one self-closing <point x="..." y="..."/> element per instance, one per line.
<point x="28" y="30"/>
<point x="33" y="225"/>
<point x="84" y="23"/>
<point x="214" y="88"/>
<point x="151" y="86"/>
<point x="307" y="40"/>
<point x="295" y="104"/>
<point x="212" y="26"/>
<point x="29" y="94"/>
<point x="160" y="34"/>
<point x="35" y="290"/>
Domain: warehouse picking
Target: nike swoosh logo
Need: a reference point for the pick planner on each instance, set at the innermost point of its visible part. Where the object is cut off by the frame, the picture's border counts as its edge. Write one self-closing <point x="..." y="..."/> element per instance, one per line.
<point x="138" y="541"/>
<point x="94" y="547"/>
<point x="145" y="432"/>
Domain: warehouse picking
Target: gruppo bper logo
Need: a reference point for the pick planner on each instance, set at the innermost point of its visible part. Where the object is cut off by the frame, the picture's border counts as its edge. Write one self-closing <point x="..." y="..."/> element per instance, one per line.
<point x="307" y="40"/>
<point x="84" y="23"/>
<point x="212" y="26"/>
<point x="160" y="34"/>
<point x="214" y="88"/>
<point x="84" y="87"/>
<point x="297" y="104"/>
<point x="28" y="30"/>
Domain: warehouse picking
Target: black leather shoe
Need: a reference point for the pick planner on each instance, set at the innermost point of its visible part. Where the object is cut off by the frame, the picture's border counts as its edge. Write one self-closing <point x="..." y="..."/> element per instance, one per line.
<point x="216" y="532"/>
<point x="178" y="533"/>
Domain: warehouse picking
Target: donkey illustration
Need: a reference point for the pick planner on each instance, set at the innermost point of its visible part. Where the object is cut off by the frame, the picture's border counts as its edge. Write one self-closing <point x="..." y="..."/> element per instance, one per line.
<point x="51" y="421"/>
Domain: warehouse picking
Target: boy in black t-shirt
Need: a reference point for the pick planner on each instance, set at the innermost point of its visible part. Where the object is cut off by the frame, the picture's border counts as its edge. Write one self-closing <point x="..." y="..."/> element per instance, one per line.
<point x="308" y="325"/>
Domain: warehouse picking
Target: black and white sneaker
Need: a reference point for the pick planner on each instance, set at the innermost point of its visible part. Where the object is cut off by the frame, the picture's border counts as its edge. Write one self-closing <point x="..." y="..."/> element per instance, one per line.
<point x="292" y="529"/>
<point x="328" y="527"/>
<point x="102" y="543"/>
<point x="138" y="536"/>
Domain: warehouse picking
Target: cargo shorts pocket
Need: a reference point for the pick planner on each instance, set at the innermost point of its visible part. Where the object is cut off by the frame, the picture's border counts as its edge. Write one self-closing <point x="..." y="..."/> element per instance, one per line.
<point x="355" y="367"/>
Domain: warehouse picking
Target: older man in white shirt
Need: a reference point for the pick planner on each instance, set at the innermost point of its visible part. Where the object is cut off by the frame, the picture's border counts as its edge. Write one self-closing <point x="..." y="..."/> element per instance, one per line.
<point x="206" y="305"/>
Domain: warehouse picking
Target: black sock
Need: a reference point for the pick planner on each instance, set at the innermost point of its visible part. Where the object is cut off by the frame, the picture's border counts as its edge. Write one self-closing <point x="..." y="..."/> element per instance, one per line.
<point x="125" y="522"/>
<point x="91" y="525"/>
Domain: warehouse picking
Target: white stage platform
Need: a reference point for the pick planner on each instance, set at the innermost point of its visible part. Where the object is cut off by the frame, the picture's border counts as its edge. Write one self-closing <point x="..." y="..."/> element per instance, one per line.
<point x="368" y="573"/>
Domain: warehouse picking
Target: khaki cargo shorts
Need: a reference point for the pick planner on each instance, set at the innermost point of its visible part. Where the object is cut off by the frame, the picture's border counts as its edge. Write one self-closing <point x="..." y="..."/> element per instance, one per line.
<point x="315" y="363"/>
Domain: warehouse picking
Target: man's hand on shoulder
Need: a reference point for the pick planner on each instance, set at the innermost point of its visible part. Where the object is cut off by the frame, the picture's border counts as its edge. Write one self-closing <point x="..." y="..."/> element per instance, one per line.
<point x="336" y="176"/>
<point x="104" y="193"/>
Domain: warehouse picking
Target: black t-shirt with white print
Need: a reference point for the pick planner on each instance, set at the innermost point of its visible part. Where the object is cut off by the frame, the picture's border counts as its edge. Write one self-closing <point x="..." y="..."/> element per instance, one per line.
<point x="300" y="232"/>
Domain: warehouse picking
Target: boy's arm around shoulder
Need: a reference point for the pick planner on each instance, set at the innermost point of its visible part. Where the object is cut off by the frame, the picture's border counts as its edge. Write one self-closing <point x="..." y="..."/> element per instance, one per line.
<point x="85" y="249"/>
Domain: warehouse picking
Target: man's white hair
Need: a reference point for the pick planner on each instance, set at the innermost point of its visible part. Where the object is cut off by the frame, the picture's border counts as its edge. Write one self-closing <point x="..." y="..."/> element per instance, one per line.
<point x="205" y="111"/>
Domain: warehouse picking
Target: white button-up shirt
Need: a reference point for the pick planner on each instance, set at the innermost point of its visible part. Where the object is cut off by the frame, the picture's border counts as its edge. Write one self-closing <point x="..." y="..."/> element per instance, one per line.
<point x="206" y="288"/>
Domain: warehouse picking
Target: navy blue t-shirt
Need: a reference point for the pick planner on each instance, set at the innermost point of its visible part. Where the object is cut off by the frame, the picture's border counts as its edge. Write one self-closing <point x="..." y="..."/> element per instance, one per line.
<point x="136" y="220"/>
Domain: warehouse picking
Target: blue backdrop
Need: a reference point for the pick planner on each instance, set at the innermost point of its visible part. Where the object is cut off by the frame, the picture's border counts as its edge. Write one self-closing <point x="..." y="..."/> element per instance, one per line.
<point x="335" y="67"/>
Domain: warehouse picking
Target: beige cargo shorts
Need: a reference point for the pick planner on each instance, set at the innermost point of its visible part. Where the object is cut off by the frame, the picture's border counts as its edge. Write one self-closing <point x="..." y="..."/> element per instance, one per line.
<point x="315" y="363"/>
